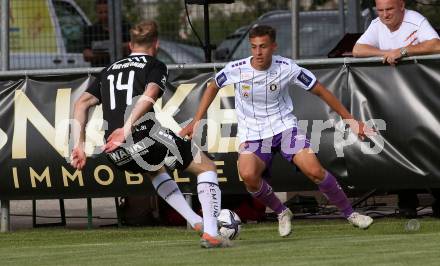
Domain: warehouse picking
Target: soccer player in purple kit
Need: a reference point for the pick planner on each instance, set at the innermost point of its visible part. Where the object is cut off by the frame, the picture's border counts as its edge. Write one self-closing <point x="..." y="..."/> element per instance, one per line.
<point x="267" y="125"/>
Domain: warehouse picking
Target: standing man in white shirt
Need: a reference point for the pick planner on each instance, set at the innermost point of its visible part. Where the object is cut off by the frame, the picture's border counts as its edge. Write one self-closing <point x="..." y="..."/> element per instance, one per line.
<point x="266" y="124"/>
<point x="397" y="33"/>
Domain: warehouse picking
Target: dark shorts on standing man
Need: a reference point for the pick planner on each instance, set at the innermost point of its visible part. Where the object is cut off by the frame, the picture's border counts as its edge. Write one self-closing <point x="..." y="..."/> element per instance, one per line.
<point x="151" y="146"/>
<point x="287" y="143"/>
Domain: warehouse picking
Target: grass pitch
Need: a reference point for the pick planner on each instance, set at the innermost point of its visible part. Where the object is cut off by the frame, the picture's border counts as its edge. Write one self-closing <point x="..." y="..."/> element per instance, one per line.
<point x="313" y="242"/>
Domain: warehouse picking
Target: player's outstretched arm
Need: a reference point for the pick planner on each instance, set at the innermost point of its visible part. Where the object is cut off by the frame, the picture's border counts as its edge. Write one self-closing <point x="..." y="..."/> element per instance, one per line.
<point x="81" y="109"/>
<point x="207" y="98"/>
<point x="357" y="126"/>
<point x="143" y="105"/>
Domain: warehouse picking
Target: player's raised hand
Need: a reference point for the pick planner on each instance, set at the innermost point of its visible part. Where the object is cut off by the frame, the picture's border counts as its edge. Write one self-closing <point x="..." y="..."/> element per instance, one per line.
<point x="78" y="158"/>
<point x="115" y="140"/>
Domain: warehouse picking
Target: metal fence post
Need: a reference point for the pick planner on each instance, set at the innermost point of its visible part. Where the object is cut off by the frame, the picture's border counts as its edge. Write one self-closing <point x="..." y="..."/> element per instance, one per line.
<point x="5" y="218"/>
<point x="295" y="29"/>
<point x="354" y="16"/>
<point x="115" y="29"/>
<point x="341" y="7"/>
<point x="188" y="198"/>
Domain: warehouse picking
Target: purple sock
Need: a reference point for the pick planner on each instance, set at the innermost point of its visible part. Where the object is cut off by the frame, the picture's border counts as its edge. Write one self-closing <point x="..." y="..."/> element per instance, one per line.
<point x="334" y="193"/>
<point x="268" y="198"/>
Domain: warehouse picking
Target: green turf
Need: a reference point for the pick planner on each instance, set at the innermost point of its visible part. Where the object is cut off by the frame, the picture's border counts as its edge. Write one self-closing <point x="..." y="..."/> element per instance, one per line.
<point x="314" y="242"/>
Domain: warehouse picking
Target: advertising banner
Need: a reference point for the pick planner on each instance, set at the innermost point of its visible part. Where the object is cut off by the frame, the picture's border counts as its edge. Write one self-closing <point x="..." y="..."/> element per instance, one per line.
<point x="401" y="103"/>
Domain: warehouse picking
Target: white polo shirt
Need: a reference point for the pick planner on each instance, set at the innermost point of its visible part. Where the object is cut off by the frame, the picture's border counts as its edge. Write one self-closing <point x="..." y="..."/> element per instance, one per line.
<point x="415" y="29"/>
<point x="262" y="101"/>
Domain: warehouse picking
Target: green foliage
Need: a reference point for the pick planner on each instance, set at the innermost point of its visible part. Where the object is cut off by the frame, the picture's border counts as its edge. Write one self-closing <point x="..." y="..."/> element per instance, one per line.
<point x="220" y="25"/>
<point x="256" y="8"/>
<point x="130" y="9"/>
<point x="88" y="7"/>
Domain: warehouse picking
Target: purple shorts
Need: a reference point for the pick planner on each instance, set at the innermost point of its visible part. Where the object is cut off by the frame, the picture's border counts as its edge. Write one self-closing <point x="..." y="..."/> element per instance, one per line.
<point x="287" y="143"/>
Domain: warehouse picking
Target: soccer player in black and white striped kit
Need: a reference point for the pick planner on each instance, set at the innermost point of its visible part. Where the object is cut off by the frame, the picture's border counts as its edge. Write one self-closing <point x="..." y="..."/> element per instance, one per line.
<point x="135" y="140"/>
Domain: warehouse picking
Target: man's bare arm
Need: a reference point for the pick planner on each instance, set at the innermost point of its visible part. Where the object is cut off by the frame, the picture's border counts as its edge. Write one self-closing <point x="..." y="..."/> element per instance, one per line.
<point x="365" y="50"/>
<point x="207" y="98"/>
<point x="424" y="48"/>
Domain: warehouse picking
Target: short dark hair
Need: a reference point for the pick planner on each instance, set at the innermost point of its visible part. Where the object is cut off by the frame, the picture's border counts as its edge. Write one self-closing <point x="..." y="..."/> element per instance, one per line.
<point x="262" y="30"/>
<point x="144" y="33"/>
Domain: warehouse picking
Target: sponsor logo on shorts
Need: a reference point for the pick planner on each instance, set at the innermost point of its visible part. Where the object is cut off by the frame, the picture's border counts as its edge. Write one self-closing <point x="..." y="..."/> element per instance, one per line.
<point x="123" y="153"/>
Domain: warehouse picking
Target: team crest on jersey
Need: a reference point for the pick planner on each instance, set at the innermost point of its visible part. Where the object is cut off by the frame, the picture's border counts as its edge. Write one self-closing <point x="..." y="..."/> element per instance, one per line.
<point x="245" y="94"/>
<point x="273" y="87"/>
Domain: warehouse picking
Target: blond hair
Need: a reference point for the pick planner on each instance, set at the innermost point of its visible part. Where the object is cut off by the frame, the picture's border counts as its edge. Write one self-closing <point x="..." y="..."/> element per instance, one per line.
<point x="144" y="33"/>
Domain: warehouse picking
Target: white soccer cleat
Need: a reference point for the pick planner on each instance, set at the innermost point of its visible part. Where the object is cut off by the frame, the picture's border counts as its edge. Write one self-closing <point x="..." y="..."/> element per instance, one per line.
<point x="359" y="220"/>
<point x="285" y="222"/>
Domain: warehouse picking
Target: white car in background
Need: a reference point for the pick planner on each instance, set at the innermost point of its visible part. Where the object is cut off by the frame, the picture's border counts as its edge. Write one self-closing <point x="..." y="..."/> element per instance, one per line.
<point x="46" y="34"/>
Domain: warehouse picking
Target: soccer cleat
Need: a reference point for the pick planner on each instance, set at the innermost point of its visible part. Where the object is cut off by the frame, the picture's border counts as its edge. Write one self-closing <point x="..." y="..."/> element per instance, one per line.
<point x="359" y="220"/>
<point x="285" y="222"/>
<point x="198" y="227"/>
<point x="208" y="241"/>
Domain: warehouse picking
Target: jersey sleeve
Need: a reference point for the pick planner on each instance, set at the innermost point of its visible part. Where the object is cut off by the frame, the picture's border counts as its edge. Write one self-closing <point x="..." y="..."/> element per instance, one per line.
<point x="426" y="32"/>
<point x="158" y="75"/>
<point x="302" y="77"/>
<point x="226" y="76"/>
<point x="94" y="88"/>
<point x="370" y="36"/>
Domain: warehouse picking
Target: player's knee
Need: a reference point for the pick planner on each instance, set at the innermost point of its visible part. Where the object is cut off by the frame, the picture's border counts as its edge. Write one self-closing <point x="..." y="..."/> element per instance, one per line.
<point x="248" y="174"/>
<point x="316" y="174"/>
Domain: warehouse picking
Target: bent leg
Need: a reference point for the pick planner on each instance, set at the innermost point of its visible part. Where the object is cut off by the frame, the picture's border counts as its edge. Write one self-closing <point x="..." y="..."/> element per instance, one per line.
<point x="251" y="168"/>
<point x="309" y="164"/>
<point x="208" y="191"/>
<point x="168" y="190"/>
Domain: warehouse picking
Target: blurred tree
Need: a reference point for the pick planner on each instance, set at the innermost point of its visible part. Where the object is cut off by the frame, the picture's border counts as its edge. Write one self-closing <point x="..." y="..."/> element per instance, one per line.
<point x="256" y="8"/>
<point x="429" y="8"/>
<point x="169" y="18"/>
<point x="221" y="24"/>
<point x="130" y="9"/>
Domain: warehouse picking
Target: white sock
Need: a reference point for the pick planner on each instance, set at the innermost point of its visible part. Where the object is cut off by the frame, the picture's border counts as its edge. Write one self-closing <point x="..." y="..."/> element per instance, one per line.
<point x="210" y="199"/>
<point x="168" y="190"/>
